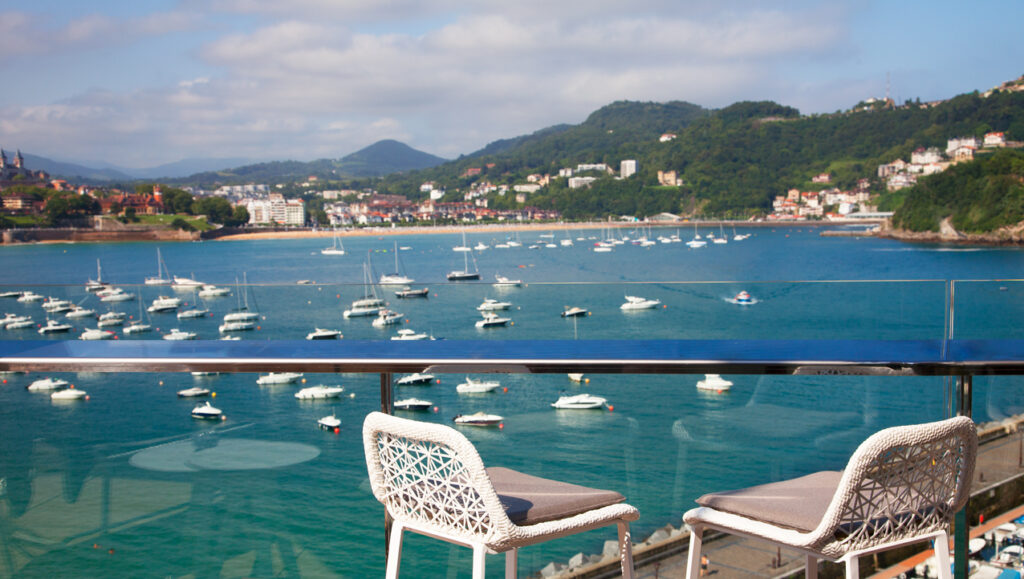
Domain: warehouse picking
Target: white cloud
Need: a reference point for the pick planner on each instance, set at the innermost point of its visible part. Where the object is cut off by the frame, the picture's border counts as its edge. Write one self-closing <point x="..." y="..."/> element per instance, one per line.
<point x="322" y="87"/>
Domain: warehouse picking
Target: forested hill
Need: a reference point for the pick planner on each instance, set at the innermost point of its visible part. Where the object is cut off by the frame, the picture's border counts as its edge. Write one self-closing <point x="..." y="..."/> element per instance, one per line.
<point x="732" y="161"/>
<point x="983" y="196"/>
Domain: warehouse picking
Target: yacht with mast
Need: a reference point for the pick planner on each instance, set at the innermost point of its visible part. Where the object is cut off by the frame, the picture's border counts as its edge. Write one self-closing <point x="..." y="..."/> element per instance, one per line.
<point x="395" y="278"/>
<point x="465" y="274"/>
<point x="161" y="277"/>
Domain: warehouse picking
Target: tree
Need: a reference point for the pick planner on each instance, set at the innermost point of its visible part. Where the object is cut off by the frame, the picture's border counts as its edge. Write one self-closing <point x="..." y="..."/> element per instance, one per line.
<point x="239" y="217"/>
<point x="63" y="207"/>
<point x="177" y="201"/>
<point x="181" y="224"/>
<point x="216" y="209"/>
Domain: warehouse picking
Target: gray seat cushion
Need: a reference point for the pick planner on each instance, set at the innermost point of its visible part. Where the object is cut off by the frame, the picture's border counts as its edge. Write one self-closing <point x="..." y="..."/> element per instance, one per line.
<point x="798" y="503"/>
<point x="529" y="500"/>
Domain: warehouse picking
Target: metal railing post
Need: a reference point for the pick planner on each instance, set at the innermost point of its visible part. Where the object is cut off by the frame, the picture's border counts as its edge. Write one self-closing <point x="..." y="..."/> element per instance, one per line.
<point x="387" y="407"/>
<point x="961" y="527"/>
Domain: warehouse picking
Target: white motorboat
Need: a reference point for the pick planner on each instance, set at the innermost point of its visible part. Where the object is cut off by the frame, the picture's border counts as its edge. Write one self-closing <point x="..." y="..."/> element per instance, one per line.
<point x="79" y="312"/>
<point x="502" y="281"/>
<point x="13" y="319"/>
<point x="193" y="392"/>
<point x="478" y="419"/>
<point x="481" y="246"/>
<point x="331" y="422"/>
<point x="241" y="316"/>
<point x="714" y="382"/>
<point x="212" y="291"/>
<point x="396" y="278"/>
<point x="56" y="306"/>
<point x="54" y="327"/>
<point x="30" y="297"/>
<point x="137" y="327"/>
<point x="319" y="392"/>
<point x="193" y="314"/>
<point x="579" y="402"/>
<point x="116" y="294"/>
<point x="576" y="377"/>
<point x="110" y="321"/>
<point x="413" y="404"/>
<point x="69" y="394"/>
<point x="201" y="374"/>
<point x="321" y="334"/>
<point x="637" y="303"/>
<point x="278" y="378"/>
<point x="236" y="327"/>
<point x="408" y="292"/>
<point x="462" y="248"/>
<point x="387" y="318"/>
<point x="96" y="334"/>
<point x="164" y="304"/>
<point x="206" y="411"/>
<point x="10" y="294"/>
<point x="113" y="317"/>
<point x="492" y="320"/>
<point x="696" y="243"/>
<point x="21" y="323"/>
<point x="186" y="283"/>
<point x="407" y="334"/>
<point x="230" y="338"/>
<point x="471" y="386"/>
<point x="416" y="379"/>
<point x="177" y="334"/>
<point x="491" y="304"/>
<point x="161" y="272"/>
<point x="573" y="312"/>
<point x="47" y="385"/>
<point x="336" y="248"/>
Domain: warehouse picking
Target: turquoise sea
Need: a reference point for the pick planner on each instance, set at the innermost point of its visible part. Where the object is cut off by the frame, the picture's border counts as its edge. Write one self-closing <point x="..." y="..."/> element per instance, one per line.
<point x="128" y="484"/>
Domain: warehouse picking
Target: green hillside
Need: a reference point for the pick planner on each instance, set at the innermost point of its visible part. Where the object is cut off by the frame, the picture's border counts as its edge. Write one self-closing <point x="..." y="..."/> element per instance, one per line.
<point x="980" y="196"/>
<point x="732" y="161"/>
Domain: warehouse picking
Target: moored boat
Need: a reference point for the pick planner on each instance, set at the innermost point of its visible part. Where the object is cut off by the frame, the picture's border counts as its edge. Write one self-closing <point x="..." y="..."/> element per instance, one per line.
<point x="321" y="334"/>
<point x="278" y="378"/>
<point x="164" y="304"/>
<point x="472" y="386"/>
<point x="416" y="379"/>
<point x="47" y="384"/>
<point x="478" y="419"/>
<point x="96" y="334"/>
<point x="408" y="292"/>
<point x="502" y="281"/>
<point x="69" y="394"/>
<point x="573" y="312"/>
<point x="413" y="404"/>
<point x="193" y="392"/>
<point x="492" y="320"/>
<point x="206" y="411"/>
<point x="236" y="327"/>
<point x="319" y="392"/>
<point x="387" y="318"/>
<point x="331" y="422"/>
<point x="177" y="335"/>
<point x="714" y="382"/>
<point x="407" y="334"/>
<point x="638" y="303"/>
<point x="54" y="327"/>
<point x="579" y="402"/>
<point x="491" y="304"/>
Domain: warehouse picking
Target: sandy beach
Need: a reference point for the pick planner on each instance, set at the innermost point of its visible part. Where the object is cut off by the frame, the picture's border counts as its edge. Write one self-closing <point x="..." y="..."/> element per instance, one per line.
<point x="499" y="228"/>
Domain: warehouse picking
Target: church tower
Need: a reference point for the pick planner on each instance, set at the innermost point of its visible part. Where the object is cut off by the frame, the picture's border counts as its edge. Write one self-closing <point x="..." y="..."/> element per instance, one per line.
<point x="19" y="161"/>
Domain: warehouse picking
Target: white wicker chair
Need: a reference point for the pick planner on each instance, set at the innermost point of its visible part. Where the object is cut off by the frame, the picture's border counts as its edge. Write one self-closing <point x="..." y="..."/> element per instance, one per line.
<point x="432" y="481"/>
<point x="902" y="485"/>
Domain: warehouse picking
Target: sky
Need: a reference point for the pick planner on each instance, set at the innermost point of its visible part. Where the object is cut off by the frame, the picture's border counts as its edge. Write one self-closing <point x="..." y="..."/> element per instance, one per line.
<point x="139" y="84"/>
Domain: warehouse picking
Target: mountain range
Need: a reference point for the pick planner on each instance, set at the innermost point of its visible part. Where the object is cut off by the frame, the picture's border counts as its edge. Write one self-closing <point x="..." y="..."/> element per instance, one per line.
<point x="381" y="158"/>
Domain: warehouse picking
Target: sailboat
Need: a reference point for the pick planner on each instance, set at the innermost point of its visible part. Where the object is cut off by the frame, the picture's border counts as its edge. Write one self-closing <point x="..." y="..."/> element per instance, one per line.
<point x="369" y="304"/>
<point x="95" y="285"/>
<point x="336" y="249"/>
<point x="463" y="247"/>
<point x="242" y="314"/>
<point x="465" y="274"/>
<point x="161" y="272"/>
<point x="395" y="278"/>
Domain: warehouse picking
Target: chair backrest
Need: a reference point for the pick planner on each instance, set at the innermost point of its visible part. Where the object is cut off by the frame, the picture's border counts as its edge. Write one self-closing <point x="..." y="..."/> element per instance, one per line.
<point x="901" y="482"/>
<point x="429" y="476"/>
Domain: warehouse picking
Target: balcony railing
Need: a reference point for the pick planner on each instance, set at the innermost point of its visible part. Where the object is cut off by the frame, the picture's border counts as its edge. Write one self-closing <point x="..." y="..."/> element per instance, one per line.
<point x="805" y="396"/>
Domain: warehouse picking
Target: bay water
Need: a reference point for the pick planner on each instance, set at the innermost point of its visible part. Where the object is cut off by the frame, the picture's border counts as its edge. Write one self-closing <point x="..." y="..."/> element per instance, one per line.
<point x="128" y="484"/>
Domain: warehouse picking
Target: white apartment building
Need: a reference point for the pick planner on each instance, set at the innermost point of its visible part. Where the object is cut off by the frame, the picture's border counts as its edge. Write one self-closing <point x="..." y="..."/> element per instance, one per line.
<point x="627" y="168"/>
<point x="276" y="210"/>
<point x="577" y="182"/>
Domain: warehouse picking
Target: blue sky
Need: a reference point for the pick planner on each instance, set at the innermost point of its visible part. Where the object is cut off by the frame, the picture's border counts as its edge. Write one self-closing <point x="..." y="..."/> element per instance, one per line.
<point x="138" y="84"/>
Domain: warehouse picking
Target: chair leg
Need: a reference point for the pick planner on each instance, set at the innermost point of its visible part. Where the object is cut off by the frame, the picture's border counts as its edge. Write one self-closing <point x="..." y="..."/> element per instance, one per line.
<point x="811" y="569"/>
<point x="625" y="550"/>
<point x="693" y="560"/>
<point x="479" y="562"/>
<point x="511" y="563"/>
<point x="852" y="567"/>
<point x="394" y="551"/>
<point x="941" y="544"/>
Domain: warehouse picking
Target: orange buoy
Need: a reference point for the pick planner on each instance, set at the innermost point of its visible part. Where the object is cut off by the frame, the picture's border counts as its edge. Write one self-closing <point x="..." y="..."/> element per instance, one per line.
<point x="501" y="426"/>
<point x="611" y="408"/>
<point x="505" y="389"/>
<point x="435" y="409"/>
<point x="337" y="430"/>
